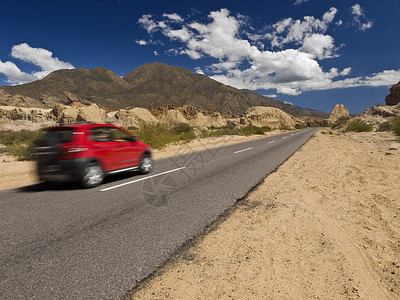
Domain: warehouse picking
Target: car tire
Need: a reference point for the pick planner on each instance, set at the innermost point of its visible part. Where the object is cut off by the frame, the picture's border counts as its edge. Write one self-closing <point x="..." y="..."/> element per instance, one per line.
<point x="146" y="164"/>
<point x="92" y="175"/>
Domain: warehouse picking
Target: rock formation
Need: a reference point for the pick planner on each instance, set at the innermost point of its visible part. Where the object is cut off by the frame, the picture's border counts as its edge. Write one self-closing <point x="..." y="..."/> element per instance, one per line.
<point x="173" y="117"/>
<point x="380" y="113"/>
<point x="394" y="97"/>
<point x="338" y="111"/>
<point x="136" y="117"/>
<point x="25" y="118"/>
<point x="91" y="113"/>
<point x="268" y="116"/>
<point x="202" y="121"/>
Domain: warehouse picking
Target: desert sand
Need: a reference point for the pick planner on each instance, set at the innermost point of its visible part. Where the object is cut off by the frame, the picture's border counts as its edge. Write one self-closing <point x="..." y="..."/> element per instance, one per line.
<point x="325" y="225"/>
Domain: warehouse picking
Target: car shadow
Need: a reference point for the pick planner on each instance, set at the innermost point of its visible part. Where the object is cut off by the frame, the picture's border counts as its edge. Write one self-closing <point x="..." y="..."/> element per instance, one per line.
<point x="71" y="185"/>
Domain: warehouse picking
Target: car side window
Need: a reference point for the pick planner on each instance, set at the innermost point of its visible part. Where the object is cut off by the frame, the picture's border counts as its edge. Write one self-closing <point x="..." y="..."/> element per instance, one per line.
<point x="101" y="134"/>
<point x="120" y="136"/>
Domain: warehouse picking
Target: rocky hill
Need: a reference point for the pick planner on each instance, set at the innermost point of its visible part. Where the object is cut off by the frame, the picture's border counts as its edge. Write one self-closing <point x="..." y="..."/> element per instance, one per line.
<point x="394" y="97"/>
<point x="149" y="86"/>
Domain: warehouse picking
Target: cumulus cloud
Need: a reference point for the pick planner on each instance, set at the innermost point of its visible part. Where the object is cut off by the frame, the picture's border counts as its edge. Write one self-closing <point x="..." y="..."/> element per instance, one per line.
<point x="296" y="31"/>
<point x="360" y="20"/>
<point x="39" y="57"/>
<point x="285" y="57"/>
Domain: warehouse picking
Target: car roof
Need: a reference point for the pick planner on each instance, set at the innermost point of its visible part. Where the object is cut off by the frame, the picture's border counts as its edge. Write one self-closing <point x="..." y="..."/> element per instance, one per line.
<point x="83" y="126"/>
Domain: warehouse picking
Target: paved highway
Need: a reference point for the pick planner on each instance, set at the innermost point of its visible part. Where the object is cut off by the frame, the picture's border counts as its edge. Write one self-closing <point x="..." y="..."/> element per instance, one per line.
<point x="72" y="243"/>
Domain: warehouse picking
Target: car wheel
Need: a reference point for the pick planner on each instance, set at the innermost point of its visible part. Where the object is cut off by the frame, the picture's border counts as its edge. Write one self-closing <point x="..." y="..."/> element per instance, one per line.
<point x="92" y="175"/>
<point x="146" y="165"/>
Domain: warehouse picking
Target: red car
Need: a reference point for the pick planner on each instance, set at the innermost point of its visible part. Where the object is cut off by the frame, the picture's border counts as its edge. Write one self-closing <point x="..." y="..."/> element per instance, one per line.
<point x="87" y="152"/>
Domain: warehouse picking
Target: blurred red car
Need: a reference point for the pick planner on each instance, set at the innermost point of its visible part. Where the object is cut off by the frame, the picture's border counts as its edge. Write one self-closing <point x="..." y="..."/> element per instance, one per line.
<point x="88" y="152"/>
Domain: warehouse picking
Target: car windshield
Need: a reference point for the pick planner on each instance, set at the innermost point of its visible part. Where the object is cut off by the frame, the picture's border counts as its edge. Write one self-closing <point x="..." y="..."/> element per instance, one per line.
<point x="60" y="136"/>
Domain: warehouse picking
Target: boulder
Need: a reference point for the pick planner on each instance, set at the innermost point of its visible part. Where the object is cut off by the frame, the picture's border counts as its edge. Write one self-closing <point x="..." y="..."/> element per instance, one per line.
<point x="202" y="121"/>
<point x="338" y="111"/>
<point x="173" y="117"/>
<point x="268" y="116"/>
<point x="91" y="113"/>
<point x="136" y="117"/>
<point x="394" y="97"/>
<point x="65" y="114"/>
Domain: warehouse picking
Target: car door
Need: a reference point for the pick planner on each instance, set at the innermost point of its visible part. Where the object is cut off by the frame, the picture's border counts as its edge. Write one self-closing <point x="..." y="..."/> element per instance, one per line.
<point x="128" y="152"/>
<point x="105" y="149"/>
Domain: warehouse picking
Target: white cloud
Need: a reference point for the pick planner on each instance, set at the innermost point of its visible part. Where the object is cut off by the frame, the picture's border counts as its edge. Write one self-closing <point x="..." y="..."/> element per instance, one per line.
<point x="199" y="71"/>
<point x="300" y="2"/>
<point x="295" y="31"/>
<point x="174" y="17"/>
<point x="14" y="74"/>
<point x="39" y="57"/>
<point x="271" y="96"/>
<point x="142" y="42"/>
<point x="241" y="62"/>
<point x="155" y="53"/>
<point x="319" y="46"/>
<point x="360" y="20"/>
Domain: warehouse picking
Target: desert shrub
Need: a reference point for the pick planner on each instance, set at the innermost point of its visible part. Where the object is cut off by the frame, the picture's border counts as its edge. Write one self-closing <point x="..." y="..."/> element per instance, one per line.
<point x="251" y="129"/>
<point x="396" y="125"/>
<point x="182" y="128"/>
<point x="358" y="125"/>
<point x="20" y="143"/>
<point x="386" y="126"/>
<point x="220" y="131"/>
<point x="300" y="126"/>
<point x="158" y="136"/>
<point x="341" y="121"/>
<point x="285" y="127"/>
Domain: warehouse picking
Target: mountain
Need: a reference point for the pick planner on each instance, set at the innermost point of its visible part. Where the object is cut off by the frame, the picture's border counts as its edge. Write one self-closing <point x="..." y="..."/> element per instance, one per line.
<point x="149" y="86"/>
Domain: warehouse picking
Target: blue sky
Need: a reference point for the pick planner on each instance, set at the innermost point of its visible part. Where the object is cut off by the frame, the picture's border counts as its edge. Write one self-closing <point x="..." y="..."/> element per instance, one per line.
<point x="311" y="53"/>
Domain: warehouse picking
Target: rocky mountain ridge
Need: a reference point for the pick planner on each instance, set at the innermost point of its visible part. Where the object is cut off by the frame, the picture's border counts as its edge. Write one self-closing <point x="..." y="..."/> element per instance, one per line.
<point x="150" y="86"/>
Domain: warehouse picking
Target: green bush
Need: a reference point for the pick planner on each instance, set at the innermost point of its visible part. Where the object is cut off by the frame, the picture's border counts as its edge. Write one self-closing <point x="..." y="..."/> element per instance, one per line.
<point x="386" y="126"/>
<point x="158" y="136"/>
<point x="182" y="128"/>
<point x="284" y="127"/>
<point x="20" y="143"/>
<point x="251" y="129"/>
<point x="220" y="131"/>
<point x="396" y="125"/>
<point x="358" y="125"/>
<point x="341" y="121"/>
<point x="300" y="126"/>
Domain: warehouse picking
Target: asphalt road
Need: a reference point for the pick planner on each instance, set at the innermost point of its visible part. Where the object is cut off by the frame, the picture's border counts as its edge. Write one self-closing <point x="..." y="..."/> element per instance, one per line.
<point x="72" y="243"/>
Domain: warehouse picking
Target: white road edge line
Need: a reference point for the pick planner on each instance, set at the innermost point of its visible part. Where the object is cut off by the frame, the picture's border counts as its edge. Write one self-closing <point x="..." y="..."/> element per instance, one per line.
<point x="271" y="142"/>
<point x="285" y="137"/>
<point x="141" y="179"/>
<point x="243" y="150"/>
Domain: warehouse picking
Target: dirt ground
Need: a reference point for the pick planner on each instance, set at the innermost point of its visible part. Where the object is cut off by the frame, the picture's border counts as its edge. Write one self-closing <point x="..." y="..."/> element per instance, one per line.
<point x="325" y="225"/>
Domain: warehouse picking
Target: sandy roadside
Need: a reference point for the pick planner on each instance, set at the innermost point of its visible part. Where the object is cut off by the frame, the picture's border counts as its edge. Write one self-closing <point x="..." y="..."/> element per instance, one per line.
<point x="15" y="173"/>
<point x="326" y="225"/>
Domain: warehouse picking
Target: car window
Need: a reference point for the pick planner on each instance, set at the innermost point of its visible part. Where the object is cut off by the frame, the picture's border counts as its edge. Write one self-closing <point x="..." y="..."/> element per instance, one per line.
<point x="120" y="136"/>
<point x="60" y="136"/>
<point x="102" y="134"/>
